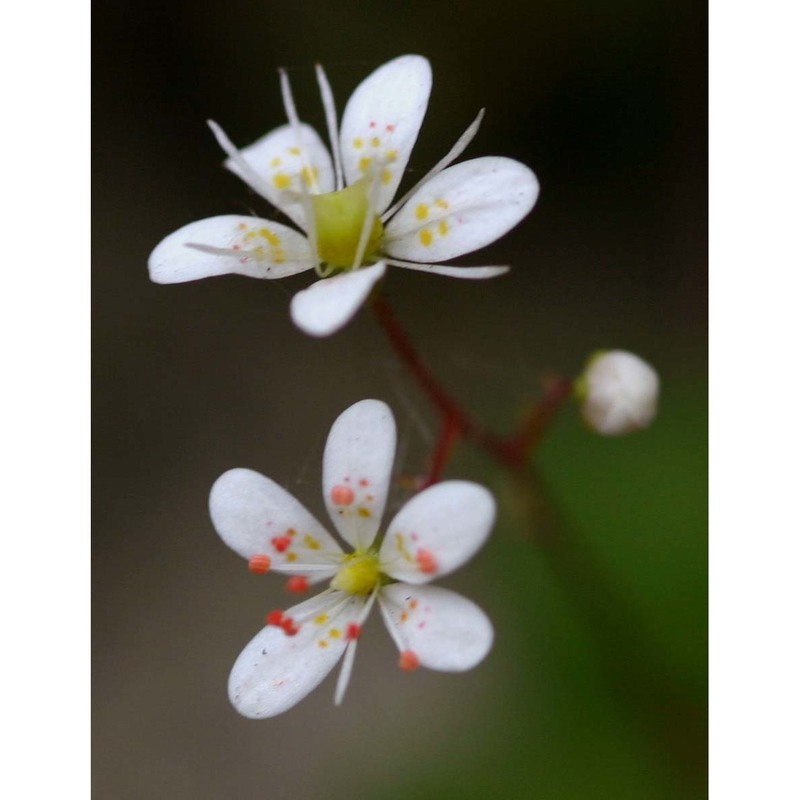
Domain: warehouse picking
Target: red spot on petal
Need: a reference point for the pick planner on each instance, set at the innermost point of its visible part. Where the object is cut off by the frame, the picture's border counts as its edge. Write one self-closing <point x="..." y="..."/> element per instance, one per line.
<point x="297" y="584"/>
<point x="342" y="495"/>
<point x="353" y="631"/>
<point x="259" y="565"/>
<point x="409" y="661"/>
<point x="281" y="543"/>
<point x="363" y="482"/>
<point x="274" y="618"/>
<point x="427" y="563"/>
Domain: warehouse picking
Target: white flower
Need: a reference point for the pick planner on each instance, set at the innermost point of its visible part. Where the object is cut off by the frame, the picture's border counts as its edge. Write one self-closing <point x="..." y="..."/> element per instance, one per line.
<point x="344" y="204"/>
<point x="433" y="534"/>
<point x="619" y="393"/>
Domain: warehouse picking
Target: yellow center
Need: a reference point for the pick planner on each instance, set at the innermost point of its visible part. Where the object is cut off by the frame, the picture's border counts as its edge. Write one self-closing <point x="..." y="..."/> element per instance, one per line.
<point x="360" y="573"/>
<point x="339" y="219"/>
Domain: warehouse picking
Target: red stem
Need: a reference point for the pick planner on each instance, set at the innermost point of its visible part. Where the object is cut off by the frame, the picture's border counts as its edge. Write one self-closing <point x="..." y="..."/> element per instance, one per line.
<point x="456" y="422"/>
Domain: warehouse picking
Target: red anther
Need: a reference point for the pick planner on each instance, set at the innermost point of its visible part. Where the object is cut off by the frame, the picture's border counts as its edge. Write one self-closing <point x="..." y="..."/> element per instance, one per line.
<point x="427" y="563"/>
<point x="289" y="627"/>
<point x="342" y="495"/>
<point x="275" y="618"/>
<point x="259" y="565"/>
<point x="409" y="661"/>
<point x="297" y="584"/>
<point x="353" y="632"/>
<point x="281" y="543"/>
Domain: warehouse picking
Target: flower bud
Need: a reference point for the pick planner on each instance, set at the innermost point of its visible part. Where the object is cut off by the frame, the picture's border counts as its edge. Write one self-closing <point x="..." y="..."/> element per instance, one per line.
<point x="618" y="392"/>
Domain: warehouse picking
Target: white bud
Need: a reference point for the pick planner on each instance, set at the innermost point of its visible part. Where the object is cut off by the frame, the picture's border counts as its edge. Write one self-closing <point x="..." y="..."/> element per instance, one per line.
<point x="618" y="392"/>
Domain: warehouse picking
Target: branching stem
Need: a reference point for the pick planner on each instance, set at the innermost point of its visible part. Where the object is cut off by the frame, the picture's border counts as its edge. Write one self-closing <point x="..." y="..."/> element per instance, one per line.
<point x="456" y="423"/>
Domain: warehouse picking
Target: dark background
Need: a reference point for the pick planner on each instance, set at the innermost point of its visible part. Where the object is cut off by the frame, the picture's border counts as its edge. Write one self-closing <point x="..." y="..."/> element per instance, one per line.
<point x="595" y="579"/>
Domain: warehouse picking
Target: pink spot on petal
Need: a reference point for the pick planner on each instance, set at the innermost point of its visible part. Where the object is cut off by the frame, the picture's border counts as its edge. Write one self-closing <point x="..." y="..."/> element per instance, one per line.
<point x="342" y="496"/>
<point x="390" y="128"/>
<point x="372" y="124"/>
<point x="363" y="482"/>
<point x="421" y="625"/>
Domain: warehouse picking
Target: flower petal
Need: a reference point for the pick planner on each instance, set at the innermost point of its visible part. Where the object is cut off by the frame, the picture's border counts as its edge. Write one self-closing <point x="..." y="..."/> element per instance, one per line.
<point x="226" y="245"/>
<point x="329" y="304"/>
<point x="381" y="122"/>
<point x="255" y="516"/>
<point x="275" y="670"/>
<point x="286" y="165"/>
<point x="437" y="531"/>
<point x="462" y="209"/>
<point x="356" y="469"/>
<point x="464" y="273"/>
<point x="444" y="630"/>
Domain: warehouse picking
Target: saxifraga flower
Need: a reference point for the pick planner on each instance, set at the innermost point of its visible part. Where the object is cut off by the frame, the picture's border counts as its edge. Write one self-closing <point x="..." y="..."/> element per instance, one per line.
<point x="344" y="204"/>
<point x="433" y="534"/>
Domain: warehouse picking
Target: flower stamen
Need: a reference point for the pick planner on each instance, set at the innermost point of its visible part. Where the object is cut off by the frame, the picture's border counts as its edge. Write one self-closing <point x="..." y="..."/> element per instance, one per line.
<point x="330" y="119"/>
<point x="259" y="564"/>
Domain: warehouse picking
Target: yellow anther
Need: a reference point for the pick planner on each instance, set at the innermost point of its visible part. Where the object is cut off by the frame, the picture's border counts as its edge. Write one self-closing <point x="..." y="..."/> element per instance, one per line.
<point x="272" y="238"/>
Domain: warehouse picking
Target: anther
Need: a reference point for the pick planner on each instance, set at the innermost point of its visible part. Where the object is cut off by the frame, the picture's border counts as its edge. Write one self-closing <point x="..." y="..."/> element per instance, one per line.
<point x="409" y="661"/>
<point x="289" y="626"/>
<point x="427" y="563"/>
<point x="353" y="632"/>
<point x="259" y="565"/>
<point x="342" y="495"/>
<point x="275" y="618"/>
<point x="297" y="584"/>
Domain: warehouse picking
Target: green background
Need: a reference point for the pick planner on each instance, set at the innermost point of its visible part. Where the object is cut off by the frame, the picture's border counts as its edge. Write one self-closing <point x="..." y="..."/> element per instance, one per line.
<point x="596" y="574"/>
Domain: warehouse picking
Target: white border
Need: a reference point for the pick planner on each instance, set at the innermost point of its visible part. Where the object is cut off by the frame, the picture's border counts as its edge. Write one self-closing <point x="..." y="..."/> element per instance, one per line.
<point x="755" y="572"/>
<point x="44" y="352"/>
